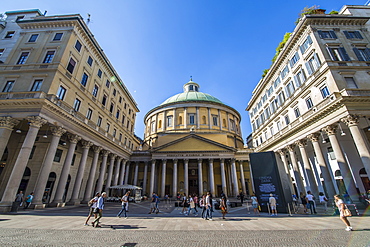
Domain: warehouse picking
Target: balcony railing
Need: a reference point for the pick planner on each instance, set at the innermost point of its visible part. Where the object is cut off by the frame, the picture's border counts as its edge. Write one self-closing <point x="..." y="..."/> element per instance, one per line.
<point x="355" y="92"/>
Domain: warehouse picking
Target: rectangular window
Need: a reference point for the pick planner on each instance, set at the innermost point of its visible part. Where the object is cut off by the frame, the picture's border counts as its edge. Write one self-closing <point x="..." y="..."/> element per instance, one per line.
<point x="324" y="91"/>
<point x="123" y="119"/>
<point x="269" y="91"/>
<point x="104" y="100"/>
<point x="285" y="72"/>
<point x="272" y="131"/>
<point x="313" y="64"/>
<point x="8" y="86"/>
<point x="276" y="82"/>
<point x="191" y="119"/>
<point x="98" y="123"/>
<point x="306" y="44"/>
<point x="278" y="124"/>
<point x="89" y="114"/>
<point x="338" y="54"/>
<point x="273" y="107"/>
<point x="22" y="59"/>
<point x="152" y="124"/>
<point x="78" y="45"/>
<point x="57" y="36"/>
<point x="351" y="82"/>
<point x="169" y="121"/>
<point x="84" y="79"/>
<point x="296" y="112"/>
<point x="107" y="83"/>
<point x="111" y="108"/>
<point x="36" y="85"/>
<point x="49" y="57"/>
<point x="215" y="120"/>
<point x="120" y="137"/>
<point x="309" y="103"/>
<point x="114" y="133"/>
<point x="127" y="124"/>
<point x="19" y="18"/>
<point x="287" y="120"/>
<point x="76" y="104"/>
<point x="117" y="114"/>
<point x="61" y="92"/>
<point x="120" y="99"/>
<point x="71" y="65"/>
<point x="58" y="155"/>
<point x="353" y="34"/>
<point x="1" y="52"/>
<point x="363" y="54"/>
<point x="9" y="35"/>
<point x="289" y="89"/>
<point x="294" y="59"/>
<point x="33" y="38"/>
<point x="114" y="92"/>
<point x="280" y="99"/>
<point x="299" y="78"/>
<point x="90" y="61"/>
<point x="267" y="112"/>
<point x="99" y="73"/>
<point x="327" y="34"/>
<point x="95" y="90"/>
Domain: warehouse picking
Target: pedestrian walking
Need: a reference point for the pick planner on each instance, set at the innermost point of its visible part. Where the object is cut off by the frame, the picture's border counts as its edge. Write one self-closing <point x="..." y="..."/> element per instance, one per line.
<point x="99" y="209"/>
<point x="19" y="198"/>
<point x="302" y="196"/>
<point x="191" y="206"/>
<point x="184" y="204"/>
<point x="342" y="208"/>
<point x="311" y="202"/>
<point x="202" y="203"/>
<point x="272" y="202"/>
<point x="223" y="207"/>
<point x="124" y="203"/>
<point x="255" y="205"/>
<point x="196" y="201"/>
<point x="28" y="199"/>
<point x="92" y="203"/>
<point x="157" y="201"/>
<point x="241" y="196"/>
<point x="323" y="200"/>
<point x="209" y="206"/>
<point x="152" y="203"/>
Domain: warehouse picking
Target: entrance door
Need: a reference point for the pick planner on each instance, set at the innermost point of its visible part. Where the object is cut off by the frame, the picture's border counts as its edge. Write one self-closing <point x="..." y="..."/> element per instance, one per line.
<point x="193" y="181"/>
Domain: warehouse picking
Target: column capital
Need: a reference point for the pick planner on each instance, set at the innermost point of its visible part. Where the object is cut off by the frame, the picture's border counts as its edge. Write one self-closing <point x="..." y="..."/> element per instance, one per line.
<point x="240" y="161"/>
<point x="57" y="131"/>
<point x="222" y="160"/>
<point x="314" y="137"/>
<point x="282" y="151"/>
<point x="112" y="156"/>
<point x="232" y="160"/>
<point x="153" y="161"/>
<point x="186" y="160"/>
<point x="36" y="121"/>
<point x="8" y="122"/>
<point x="301" y="143"/>
<point x="330" y="129"/>
<point x="290" y="147"/>
<point x="200" y="160"/>
<point x="97" y="149"/>
<point x="74" y="138"/>
<point x="351" y="120"/>
<point x="86" y="144"/>
<point x="210" y="160"/>
<point x="175" y="161"/>
<point x="105" y="152"/>
<point x="164" y="161"/>
<point x="119" y="159"/>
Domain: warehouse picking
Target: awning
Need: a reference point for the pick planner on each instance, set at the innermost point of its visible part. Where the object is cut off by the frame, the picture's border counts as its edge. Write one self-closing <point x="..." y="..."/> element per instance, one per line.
<point x="126" y="186"/>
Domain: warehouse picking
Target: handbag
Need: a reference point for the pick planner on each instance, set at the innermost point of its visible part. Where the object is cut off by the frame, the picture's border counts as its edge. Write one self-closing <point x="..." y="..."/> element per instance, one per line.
<point x="347" y="212"/>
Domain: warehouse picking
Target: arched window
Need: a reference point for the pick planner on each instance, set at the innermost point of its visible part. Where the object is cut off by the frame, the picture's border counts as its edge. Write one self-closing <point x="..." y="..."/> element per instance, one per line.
<point x="337" y="173"/>
<point x="160" y="124"/>
<point x="204" y="121"/>
<point x="180" y="120"/>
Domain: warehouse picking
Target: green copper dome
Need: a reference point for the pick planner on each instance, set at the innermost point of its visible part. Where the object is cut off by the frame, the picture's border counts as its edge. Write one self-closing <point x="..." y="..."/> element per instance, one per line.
<point x="191" y="93"/>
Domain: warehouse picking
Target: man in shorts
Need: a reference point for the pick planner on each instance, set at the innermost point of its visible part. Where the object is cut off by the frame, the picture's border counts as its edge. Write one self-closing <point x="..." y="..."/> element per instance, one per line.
<point x="272" y="202"/>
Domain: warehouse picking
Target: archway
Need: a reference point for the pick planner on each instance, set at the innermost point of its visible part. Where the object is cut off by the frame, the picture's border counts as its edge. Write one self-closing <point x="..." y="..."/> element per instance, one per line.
<point x="49" y="187"/>
<point x="25" y="179"/>
<point x="365" y="179"/>
<point x="66" y="188"/>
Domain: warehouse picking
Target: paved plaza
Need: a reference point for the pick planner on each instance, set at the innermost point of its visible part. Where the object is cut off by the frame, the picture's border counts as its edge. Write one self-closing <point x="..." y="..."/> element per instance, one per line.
<point x="65" y="227"/>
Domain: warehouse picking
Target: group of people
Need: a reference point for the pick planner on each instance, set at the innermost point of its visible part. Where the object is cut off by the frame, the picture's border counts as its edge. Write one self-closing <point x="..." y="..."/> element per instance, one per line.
<point x="21" y="201"/>
<point x="271" y="205"/>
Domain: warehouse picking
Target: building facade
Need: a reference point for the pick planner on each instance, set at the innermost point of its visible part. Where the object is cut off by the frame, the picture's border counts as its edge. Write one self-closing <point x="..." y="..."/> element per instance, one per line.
<point x="66" y="118"/>
<point x="192" y="144"/>
<point x="312" y="107"/>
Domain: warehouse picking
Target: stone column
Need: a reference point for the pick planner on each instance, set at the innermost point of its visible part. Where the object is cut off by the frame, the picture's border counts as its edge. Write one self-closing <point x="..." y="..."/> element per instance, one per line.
<point x="110" y="171"/>
<point x="211" y="177"/>
<point x="103" y="167"/>
<point x="43" y="176"/>
<point x="242" y="178"/>
<point x="329" y="183"/>
<point x="235" y="177"/>
<point x="360" y="140"/>
<point x="186" y="176"/>
<point x="219" y="119"/>
<point x="297" y="173"/>
<point x="122" y="173"/>
<point x="165" y="120"/>
<point x="198" y="118"/>
<point x="21" y="162"/>
<point x="223" y="177"/>
<point x="152" y="175"/>
<point x="136" y="174"/>
<point x="91" y="180"/>
<point x="185" y="117"/>
<point x="174" y="177"/>
<point x="127" y="173"/>
<point x="312" y="185"/>
<point x="209" y="118"/>
<point x="80" y="173"/>
<point x="116" y="171"/>
<point x="286" y="166"/>
<point x="343" y="166"/>
<point x="200" y="176"/>
<point x="58" y="198"/>
<point x="163" y="189"/>
<point x="145" y="177"/>
<point x="6" y="127"/>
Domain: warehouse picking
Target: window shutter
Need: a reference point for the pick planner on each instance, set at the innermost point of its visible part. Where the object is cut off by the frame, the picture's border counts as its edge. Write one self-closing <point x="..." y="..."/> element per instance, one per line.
<point x="360" y="58"/>
<point x="344" y="54"/>
<point x="308" y="68"/>
<point x="331" y="53"/>
<point x="358" y="35"/>
<point x="346" y="34"/>
<point x="333" y="35"/>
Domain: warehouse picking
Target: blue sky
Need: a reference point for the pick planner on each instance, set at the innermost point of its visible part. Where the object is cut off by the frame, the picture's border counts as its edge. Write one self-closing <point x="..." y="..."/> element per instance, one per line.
<point x="156" y="45"/>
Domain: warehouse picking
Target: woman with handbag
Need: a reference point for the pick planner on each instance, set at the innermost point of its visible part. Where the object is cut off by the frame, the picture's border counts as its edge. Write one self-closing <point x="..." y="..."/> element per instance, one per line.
<point x="344" y="211"/>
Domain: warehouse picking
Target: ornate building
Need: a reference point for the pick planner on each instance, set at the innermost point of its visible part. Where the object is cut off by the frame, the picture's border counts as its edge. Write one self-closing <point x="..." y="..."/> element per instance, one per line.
<point x="193" y="144"/>
<point x="66" y="118"/>
<point x="312" y="107"/>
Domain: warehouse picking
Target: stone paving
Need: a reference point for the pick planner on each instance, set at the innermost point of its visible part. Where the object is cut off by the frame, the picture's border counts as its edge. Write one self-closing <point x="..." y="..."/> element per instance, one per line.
<point x="64" y="227"/>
